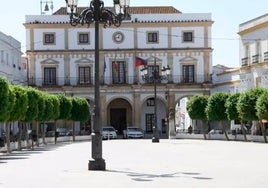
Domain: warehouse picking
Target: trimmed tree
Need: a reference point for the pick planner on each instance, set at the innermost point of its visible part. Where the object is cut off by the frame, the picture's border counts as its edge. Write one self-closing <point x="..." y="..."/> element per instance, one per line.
<point x="262" y="111"/>
<point x="56" y="113"/>
<point x="196" y="109"/>
<point x="80" y="111"/>
<point x="231" y="110"/>
<point x="246" y="105"/>
<point x="32" y="110"/>
<point x="216" y="109"/>
<point x="11" y="99"/>
<point x="41" y="114"/>
<point x="19" y="109"/>
<point x="65" y="107"/>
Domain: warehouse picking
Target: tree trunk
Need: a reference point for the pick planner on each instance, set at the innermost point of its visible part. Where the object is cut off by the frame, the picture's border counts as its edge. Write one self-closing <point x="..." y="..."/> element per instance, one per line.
<point x="73" y="131"/>
<point x="19" y="136"/>
<point x="43" y="133"/>
<point x="37" y="133"/>
<point x="203" y="127"/>
<point x="224" y="130"/>
<point x="55" y="133"/>
<point x="27" y="136"/>
<point x="7" y="137"/>
<point x="263" y="130"/>
<point x="243" y="131"/>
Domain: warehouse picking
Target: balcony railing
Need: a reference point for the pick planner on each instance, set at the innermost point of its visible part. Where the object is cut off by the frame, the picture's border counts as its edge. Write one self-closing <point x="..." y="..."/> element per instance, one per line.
<point x="108" y="80"/>
<point x="245" y="61"/>
<point x="265" y="56"/>
<point x="256" y="59"/>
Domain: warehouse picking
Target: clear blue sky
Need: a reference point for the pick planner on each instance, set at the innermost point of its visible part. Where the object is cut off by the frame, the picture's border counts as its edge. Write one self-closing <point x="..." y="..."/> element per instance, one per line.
<point x="226" y="14"/>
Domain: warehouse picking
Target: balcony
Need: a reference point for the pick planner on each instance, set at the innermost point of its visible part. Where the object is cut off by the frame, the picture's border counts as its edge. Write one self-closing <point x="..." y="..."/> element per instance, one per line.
<point x="256" y="59"/>
<point x="265" y="56"/>
<point x="109" y="80"/>
<point x="245" y="61"/>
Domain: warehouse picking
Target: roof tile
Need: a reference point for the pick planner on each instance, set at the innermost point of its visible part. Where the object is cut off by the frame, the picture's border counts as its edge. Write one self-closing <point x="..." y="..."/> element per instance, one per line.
<point x="133" y="10"/>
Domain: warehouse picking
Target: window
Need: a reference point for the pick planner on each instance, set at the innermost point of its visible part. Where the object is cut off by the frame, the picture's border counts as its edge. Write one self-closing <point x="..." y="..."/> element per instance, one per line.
<point x="187" y="36"/>
<point x="150" y="102"/>
<point x="83" y="38"/>
<point x="84" y="75"/>
<point x="2" y="56"/>
<point x="188" y="73"/>
<point x="119" y="72"/>
<point x="50" y="76"/>
<point x="7" y="58"/>
<point x="49" y="38"/>
<point x="152" y="37"/>
<point x="149" y="122"/>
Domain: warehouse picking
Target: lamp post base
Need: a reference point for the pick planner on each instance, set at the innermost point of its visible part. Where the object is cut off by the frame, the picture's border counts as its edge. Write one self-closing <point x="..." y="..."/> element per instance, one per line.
<point x="98" y="164"/>
<point x="155" y="140"/>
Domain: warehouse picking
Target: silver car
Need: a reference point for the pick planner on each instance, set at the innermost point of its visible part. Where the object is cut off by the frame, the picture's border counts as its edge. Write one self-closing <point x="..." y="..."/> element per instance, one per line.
<point x="133" y="132"/>
<point x="109" y="133"/>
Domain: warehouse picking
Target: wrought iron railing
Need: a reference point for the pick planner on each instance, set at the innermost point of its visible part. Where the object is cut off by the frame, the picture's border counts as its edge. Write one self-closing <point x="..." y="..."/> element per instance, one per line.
<point x="108" y="80"/>
<point x="245" y="61"/>
<point x="256" y="59"/>
<point x="265" y="56"/>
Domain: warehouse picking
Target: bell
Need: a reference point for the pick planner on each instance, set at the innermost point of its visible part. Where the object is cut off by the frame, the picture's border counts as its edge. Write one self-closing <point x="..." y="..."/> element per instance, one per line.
<point x="46" y="8"/>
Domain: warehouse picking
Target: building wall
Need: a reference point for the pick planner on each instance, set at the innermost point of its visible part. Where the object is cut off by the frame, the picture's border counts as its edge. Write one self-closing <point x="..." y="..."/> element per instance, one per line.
<point x="11" y="66"/>
<point x="254" y="53"/>
<point x="66" y="55"/>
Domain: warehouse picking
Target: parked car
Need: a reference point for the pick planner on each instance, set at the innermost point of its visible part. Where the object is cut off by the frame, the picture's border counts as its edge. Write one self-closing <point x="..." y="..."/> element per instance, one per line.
<point x="109" y="133"/>
<point x="133" y="132"/>
<point x="62" y="132"/>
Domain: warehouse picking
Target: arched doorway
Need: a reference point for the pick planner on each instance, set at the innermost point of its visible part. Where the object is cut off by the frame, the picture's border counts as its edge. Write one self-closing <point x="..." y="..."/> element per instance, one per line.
<point x="119" y="114"/>
<point x="182" y="119"/>
<point x="148" y="115"/>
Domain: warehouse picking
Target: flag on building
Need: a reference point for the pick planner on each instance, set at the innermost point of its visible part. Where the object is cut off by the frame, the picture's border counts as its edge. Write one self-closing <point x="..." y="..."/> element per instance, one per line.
<point x="139" y="62"/>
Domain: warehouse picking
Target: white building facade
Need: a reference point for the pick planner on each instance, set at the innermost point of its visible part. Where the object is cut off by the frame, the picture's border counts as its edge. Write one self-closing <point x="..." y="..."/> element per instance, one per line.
<point x="11" y="65"/>
<point x="254" y="53"/>
<point x="61" y="60"/>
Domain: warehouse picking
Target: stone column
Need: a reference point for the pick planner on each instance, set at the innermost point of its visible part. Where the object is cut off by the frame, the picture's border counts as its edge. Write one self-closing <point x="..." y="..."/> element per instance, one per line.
<point x="171" y="123"/>
<point x="136" y="109"/>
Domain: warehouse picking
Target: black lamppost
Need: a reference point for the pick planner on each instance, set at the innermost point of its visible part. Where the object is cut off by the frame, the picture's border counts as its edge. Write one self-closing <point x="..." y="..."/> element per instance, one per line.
<point x="155" y="77"/>
<point x="97" y="13"/>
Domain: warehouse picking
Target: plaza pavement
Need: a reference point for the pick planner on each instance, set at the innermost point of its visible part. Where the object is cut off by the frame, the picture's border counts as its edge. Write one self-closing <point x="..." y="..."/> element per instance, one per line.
<point x="140" y="164"/>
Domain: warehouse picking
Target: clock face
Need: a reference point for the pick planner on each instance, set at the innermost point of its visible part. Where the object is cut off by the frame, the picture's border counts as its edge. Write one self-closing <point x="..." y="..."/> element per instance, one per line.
<point x="118" y="37"/>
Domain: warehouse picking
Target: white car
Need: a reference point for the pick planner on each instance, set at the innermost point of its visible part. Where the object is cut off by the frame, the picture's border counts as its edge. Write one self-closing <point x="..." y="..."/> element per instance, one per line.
<point x="133" y="132"/>
<point x="109" y="133"/>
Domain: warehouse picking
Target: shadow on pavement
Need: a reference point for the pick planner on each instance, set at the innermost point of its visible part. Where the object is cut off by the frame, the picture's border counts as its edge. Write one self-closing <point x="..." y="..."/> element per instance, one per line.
<point x="17" y="155"/>
<point x="150" y="177"/>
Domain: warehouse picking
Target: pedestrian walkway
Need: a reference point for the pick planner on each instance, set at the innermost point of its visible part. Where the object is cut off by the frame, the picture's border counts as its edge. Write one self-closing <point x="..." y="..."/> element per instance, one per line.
<point x="139" y="164"/>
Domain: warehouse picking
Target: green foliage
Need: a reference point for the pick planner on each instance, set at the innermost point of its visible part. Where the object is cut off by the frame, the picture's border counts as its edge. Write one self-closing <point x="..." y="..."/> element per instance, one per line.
<point x="4" y="101"/>
<point x="21" y="103"/>
<point x="246" y="105"/>
<point x="41" y="106"/>
<point x="80" y="109"/>
<point x="12" y="100"/>
<point x="56" y="107"/>
<point x="231" y="106"/>
<point x="196" y="107"/>
<point x="48" y="112"/>
<point x="216" y="109"/>
<point x="65" y="107"/>
<point x="262" y="106"/>
<point x="32" y="110"/>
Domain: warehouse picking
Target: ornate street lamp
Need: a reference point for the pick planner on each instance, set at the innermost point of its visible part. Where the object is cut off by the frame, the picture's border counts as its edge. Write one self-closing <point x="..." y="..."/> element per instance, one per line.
<point x="155" y="77"/>
<point x="97" y="13"/>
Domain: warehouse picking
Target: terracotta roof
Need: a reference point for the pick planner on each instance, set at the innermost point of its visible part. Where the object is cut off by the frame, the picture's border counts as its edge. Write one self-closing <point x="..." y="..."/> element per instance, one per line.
<point x="133" y="10"/>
